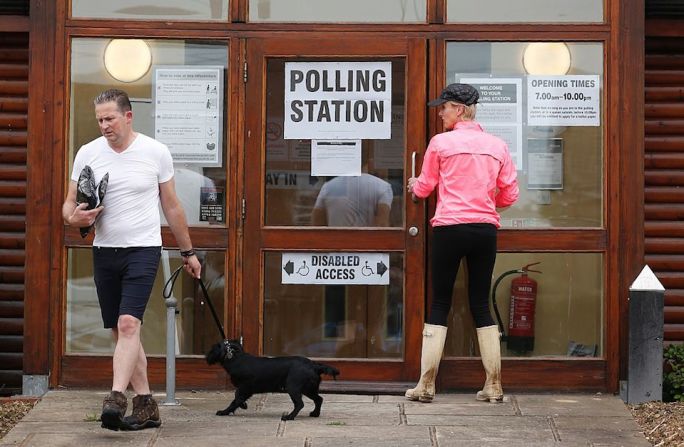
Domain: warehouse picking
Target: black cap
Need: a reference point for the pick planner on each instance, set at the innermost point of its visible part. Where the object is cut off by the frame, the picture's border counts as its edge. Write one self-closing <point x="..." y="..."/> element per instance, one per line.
<point x="463" y="93"/>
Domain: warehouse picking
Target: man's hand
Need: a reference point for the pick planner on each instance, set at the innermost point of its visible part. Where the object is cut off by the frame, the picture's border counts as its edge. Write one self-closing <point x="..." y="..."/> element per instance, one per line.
<point x="81" y="217"/>
<point x="192" y="265"/>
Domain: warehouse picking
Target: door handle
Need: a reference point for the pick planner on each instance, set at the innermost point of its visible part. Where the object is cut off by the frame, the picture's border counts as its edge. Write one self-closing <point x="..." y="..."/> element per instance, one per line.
<point x="413" y="174"/>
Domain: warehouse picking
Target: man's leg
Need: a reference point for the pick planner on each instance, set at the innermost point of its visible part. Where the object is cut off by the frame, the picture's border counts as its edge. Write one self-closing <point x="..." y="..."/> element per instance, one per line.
<point x="127" y="352"/>
<point x="139" y="380"/>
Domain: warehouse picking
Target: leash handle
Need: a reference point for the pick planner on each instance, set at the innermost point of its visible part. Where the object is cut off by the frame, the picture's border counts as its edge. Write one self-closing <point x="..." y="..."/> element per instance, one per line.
<point x="168" y="289"/>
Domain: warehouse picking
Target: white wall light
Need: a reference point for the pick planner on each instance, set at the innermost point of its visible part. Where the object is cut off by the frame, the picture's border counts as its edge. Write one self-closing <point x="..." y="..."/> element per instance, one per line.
<point x="547" y="58"/>
<point x="127" y="60"/>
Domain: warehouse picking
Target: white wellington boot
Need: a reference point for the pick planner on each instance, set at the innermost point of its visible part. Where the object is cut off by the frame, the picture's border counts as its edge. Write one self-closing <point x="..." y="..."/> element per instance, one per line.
<point x="490" y="349"/>
<point x="433" y="345"/>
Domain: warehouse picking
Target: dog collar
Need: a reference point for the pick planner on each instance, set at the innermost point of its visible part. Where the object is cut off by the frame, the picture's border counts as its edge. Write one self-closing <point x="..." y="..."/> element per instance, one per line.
<point x="229" y="351"/>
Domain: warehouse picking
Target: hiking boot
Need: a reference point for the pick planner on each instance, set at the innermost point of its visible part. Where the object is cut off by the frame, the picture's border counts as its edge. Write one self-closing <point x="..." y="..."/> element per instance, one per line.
<point x="113" y="410"/>
<point x="145" y="413"/>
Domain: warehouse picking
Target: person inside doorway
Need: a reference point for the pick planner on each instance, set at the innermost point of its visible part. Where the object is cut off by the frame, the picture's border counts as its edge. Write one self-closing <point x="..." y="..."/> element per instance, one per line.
<point x="474" y="175"/>
<point x="354" y="201"/>
<point x="127" y="245"/>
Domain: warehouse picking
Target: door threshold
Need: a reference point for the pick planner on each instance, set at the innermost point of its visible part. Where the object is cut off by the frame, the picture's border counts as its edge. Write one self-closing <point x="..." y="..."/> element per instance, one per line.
<point x="361" y="387"/>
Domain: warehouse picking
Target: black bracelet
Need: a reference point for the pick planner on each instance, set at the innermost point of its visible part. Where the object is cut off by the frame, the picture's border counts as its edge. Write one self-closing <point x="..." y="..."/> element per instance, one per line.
<point x="187" y="253"/>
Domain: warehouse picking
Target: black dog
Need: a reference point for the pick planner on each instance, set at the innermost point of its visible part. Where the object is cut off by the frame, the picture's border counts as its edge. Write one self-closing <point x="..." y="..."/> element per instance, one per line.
<point x="251" y="375"/>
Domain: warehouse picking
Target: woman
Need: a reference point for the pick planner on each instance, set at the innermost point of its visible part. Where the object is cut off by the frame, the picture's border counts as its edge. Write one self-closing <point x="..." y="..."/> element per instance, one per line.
<point x="474" y="175"/>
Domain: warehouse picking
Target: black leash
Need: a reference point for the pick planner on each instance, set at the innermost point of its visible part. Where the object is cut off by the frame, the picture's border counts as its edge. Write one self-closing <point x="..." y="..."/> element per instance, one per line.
<point x="172" y="280"/>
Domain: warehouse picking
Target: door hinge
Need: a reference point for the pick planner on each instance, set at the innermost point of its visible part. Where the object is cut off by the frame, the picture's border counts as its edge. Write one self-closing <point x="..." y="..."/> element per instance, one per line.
<point x="244" y="209"/>
<point x="244" y="73"/>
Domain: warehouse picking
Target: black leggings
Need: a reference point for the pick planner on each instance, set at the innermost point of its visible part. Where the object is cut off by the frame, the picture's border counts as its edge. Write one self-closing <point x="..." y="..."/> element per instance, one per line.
<point x="477" y="242"/>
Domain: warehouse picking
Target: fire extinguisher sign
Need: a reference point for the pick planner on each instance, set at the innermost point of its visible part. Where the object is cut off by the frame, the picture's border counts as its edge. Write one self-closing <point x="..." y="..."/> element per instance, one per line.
<point x="335" y="268"/>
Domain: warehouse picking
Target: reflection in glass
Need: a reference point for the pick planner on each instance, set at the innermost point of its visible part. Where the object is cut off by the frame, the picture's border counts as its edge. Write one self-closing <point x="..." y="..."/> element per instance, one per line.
<point x="181" y="10"/>
<point x="376" y="11"/>
<point x="568" y="317"/>
<point x="200" y="188"/>
<point x="489" y="11"/>
<point x="195" y="327"/>
<point x="295" y="198"/>
<point x="333" y="321"/>
<point x="576" y="200"/>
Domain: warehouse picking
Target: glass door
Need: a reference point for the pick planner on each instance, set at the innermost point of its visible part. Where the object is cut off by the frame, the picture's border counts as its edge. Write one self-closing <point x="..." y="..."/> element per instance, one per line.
<point x="333" y="262"/>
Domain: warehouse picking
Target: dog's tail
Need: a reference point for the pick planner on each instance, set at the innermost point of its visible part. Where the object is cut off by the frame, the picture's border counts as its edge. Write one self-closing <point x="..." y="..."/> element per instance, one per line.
<point x="322" y="368"/>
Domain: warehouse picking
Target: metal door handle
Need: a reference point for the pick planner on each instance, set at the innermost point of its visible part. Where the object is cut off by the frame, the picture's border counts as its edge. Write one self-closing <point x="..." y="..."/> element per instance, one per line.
<point x="413" y="231"/>
<point x="413" y="174"/>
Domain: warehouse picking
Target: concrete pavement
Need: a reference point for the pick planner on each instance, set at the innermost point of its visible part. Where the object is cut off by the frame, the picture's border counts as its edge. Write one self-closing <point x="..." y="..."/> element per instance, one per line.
<point x="68" y="418"/>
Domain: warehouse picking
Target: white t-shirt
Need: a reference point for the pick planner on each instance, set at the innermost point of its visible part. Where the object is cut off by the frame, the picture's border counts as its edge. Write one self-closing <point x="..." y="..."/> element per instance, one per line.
<point x="131" y="205"/>
<point x="353" y="201"/>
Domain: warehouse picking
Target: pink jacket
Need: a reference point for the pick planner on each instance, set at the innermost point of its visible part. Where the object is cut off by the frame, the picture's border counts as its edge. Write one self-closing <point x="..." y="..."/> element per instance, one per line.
<point x="474" y="172"/>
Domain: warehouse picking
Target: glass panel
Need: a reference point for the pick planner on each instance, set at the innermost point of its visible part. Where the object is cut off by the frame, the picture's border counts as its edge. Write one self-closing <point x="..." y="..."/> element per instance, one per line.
<point x="560" y="167"/>
<point x="488" y="11"/>
<point x="181" y="10"/>
<point x="568" y="316"/>
<point x="195" y="327"/>
<point x="200" y="185"/>
<point x="377" y="11"/>
<point x="294" y="198"/>
<point x="333" y="321"/>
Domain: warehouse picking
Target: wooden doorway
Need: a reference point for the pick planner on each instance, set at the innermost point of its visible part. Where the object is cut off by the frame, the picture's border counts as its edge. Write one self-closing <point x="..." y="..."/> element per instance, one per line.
<point x="370" y="331"/>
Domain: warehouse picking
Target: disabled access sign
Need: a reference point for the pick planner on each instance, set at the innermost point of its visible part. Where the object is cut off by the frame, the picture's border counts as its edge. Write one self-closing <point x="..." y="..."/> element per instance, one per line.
<point x="335" y="268"/>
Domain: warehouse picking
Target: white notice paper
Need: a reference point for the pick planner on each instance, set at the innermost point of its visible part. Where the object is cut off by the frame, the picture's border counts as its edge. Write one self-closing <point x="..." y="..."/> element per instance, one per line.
<point x="545" y="163"/>
<point x="499" y="111"/>
<point x="335" y="158"/>
<point x="188" y="110"/>
<point x="338" y="100"/>
<point x="563" y="100"/>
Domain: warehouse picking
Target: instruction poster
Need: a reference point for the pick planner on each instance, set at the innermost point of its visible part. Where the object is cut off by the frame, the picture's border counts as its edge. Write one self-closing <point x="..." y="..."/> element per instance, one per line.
<point x="333" y="158"/>
<point x="188" y="110"/>
<point x="335" y="268"/>
<point x="338" y="100"/>
<point x="563" y="100"/>
<point x="499" y="111"/>
<point x="545" y="163"/>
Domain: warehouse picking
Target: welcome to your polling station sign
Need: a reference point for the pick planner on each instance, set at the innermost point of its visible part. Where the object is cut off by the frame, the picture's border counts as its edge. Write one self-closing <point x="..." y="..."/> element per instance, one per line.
<point x="338" y="100"/>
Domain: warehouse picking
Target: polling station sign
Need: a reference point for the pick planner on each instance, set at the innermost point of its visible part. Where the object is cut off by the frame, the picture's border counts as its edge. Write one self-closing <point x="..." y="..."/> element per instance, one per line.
<point x="338" y="100"/>
<point x="335" y="268"/>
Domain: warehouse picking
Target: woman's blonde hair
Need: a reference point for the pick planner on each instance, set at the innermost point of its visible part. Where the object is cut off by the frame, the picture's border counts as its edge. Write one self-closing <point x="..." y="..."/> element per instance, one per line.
<point x="469" y="112"/>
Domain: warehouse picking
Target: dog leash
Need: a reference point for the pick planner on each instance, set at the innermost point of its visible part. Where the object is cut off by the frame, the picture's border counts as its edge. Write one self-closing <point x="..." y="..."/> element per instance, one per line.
<point x="170" y="282"/>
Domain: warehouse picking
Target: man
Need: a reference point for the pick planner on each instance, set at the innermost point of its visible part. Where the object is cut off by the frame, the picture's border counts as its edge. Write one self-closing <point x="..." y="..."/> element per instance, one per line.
<point x="127" y="244"/>
<point x="354" y="201"/>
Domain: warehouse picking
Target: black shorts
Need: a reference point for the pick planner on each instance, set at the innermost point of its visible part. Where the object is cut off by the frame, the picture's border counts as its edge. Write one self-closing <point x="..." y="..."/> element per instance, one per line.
<point x="124" y="278"/>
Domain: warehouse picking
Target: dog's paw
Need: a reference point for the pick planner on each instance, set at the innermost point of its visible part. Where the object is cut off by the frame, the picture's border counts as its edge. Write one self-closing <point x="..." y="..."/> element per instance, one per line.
<point x="287" y="417"/>
<point x="315" y="414"/>
<point x="223" y="413"/>
<point x="243" y="405"/>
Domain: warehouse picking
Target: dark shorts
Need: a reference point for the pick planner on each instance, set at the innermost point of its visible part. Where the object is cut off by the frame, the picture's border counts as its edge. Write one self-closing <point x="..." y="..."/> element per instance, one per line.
<point x="124" y="278"/>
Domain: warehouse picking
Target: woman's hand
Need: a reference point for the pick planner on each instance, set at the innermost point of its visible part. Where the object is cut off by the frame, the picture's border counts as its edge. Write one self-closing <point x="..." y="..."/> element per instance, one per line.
<point x="411" y="182"/>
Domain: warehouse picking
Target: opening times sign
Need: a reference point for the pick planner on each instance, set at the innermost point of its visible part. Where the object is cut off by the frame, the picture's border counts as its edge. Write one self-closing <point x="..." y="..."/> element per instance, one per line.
<point x="338" y="100"/>
<point x="563" y="101"/>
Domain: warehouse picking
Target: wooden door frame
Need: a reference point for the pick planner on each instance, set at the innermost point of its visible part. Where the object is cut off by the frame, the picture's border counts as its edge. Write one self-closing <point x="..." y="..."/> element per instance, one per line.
<point x="622" y="30"/>
<point x="414" y="51"/>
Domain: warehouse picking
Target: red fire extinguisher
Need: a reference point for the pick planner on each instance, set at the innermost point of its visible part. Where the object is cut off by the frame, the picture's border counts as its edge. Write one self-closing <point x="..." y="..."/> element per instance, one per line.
<point x="522" y="307"/>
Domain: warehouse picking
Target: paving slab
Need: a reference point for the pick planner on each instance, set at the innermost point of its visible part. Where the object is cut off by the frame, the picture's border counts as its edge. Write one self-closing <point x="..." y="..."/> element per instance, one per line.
<point x="68" y="418"/>
<point x="570" y="405"/>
